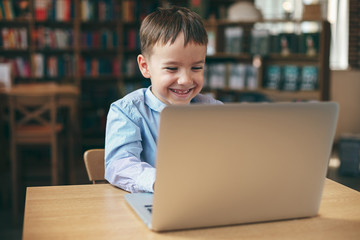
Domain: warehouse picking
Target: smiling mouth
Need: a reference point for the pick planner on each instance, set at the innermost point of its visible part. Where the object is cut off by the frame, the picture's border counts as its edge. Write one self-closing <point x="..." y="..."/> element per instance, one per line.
<point x="181" y="92"/>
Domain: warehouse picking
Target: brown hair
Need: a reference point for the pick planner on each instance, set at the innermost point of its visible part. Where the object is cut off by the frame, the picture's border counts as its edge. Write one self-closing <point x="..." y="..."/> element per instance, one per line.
<point x="165" y="24"/>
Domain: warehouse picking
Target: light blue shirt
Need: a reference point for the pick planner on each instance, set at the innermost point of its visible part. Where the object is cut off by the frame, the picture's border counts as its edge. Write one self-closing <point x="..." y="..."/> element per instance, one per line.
<point x="130" y="139"/>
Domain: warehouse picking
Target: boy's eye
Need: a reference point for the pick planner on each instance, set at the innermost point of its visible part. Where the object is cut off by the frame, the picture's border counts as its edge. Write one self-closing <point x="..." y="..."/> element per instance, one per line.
<point x="171" y="68"/>
<point x="197" y="68"/>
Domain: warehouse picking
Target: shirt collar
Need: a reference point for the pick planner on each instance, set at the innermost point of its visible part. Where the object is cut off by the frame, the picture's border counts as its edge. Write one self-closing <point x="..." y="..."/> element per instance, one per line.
<point x="153" y="102"/>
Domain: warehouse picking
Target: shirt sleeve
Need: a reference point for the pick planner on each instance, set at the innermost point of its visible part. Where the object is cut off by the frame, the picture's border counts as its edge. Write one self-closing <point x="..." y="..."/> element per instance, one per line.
<point x="123" y="146"/>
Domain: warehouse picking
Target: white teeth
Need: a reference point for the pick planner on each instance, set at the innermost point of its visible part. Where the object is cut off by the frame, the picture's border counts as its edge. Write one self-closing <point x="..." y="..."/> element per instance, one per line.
<point x="181" y="91"/>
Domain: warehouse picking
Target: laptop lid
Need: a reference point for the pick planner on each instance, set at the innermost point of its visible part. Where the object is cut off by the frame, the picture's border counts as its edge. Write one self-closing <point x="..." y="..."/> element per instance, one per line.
<point x="241" y="163"/>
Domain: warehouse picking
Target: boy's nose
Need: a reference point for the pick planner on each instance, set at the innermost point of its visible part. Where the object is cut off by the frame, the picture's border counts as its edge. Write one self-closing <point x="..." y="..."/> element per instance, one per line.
<point x="185" y="79"/>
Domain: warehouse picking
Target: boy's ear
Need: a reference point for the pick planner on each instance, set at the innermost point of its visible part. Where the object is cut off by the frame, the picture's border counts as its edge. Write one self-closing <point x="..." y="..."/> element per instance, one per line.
<point x="143" y="66"/>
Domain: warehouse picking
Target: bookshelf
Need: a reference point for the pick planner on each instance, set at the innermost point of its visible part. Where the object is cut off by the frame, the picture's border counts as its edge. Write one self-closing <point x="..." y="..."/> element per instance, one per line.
<point x="298" y="73"/>
<point x="38" y="40"/>
<point x="93" y="44"/>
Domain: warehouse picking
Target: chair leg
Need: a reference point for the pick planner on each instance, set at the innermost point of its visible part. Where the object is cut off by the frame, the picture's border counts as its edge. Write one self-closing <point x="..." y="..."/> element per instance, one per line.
<point x="15" y="183"/>
<point x="60" y="144"/>
<point x="54" y="162"/>
<point x="71" y="158"/>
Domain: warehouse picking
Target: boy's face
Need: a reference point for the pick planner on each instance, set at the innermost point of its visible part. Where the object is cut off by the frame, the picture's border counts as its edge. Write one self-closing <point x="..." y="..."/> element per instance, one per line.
<point x="176" y="72"/>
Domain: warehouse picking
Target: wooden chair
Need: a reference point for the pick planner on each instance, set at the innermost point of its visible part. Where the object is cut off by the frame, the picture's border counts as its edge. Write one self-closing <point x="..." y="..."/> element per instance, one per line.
<point x="95" y="166"/>
<point x="33" y="121"/>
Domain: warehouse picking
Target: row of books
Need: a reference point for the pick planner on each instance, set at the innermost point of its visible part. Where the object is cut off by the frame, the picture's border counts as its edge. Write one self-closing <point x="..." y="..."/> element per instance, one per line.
<point x="10" y="9"/>
<point x="235" y="76"/>
<point x="14" y="38"/>
<point x="130" y="67"/>
<point x="64" y="65"/>
<point x="132" y="39"/>
<point x="59" y="38"/>
<point x="57" y="10"/>
<point x="291" y="78"/>
<point x="100" y="10"/>
<point x="7" y="10"/>
<point x="53" y="66"/>
<point x="20" y="67"/>
<point x="263" y="43"/>
<point x="91" y="10"/>
<point x="104" y="39"/>
<point x="95" y="67"/>
<point x="54" y="38"/>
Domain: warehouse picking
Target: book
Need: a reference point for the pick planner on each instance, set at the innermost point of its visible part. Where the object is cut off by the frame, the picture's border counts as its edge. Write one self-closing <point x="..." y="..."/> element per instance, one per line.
<point x="8" y="10"/>
<point x="309" y="78"/>
<point x="211" y="46"/>
<point x="206" y="76"/>
<point x="5" y="75"/>
<point x="38" y="60"/>
<point x="2" y="10"/>
<point x="128" y="10"/>
<point x="41" y="10"/>
<point x="260" y="42"/>
<point x="60" y="66"/>
<point x="22" y="67"/>
<point x="309" y="43"/>
<point x="251" y="77"/>
<point x="51" y="66"/>
<point x="96" y="67"/>
<point x="233" y="39"/>
<point x="289" y="43"/>
<point x="14" y="38"/>
<point x="237" y="75"/>
<point x="217" y="75"/>
<point x="272" y="78"/>
<point x="5" y="38"/>
<point x="291" y="76"/>
<point x="23" y="38"/>
<point x="130" y="67"/>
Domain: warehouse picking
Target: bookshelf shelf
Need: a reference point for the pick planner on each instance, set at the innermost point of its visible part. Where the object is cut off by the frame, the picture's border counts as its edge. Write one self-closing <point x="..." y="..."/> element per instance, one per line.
<point x="99" y="51"/>
<point x="285" y="65"/>
<point x="100" y="78"/>
<point x="14" y="23"/>
<point x="54" y="23"/>
<point x="228" y="56"/>
<point x="101" y="24"/>
<point x="293" y="57"/>
<point x="53" y="50"/>
<point x="11" y="51"/>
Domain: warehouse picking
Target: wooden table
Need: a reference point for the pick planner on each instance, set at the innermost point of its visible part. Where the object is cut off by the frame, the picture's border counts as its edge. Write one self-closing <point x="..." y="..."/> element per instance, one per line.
<point x="100" y="212"/>
<point x="68" y="96"/>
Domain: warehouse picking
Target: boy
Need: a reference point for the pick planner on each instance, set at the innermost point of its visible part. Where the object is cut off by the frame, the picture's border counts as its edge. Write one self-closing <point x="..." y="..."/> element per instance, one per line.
<point x="173" y="50"/>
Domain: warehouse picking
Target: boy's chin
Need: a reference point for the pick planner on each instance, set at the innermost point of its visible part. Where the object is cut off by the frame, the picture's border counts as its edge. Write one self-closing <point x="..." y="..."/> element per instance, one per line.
<point x="182" y="103"/>
<point x="179" y="102"/>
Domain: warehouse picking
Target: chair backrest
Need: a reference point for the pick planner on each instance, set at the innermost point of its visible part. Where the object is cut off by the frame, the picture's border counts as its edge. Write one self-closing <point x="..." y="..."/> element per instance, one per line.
<point x="95" y="165"/>
<point x="33" y="116"/>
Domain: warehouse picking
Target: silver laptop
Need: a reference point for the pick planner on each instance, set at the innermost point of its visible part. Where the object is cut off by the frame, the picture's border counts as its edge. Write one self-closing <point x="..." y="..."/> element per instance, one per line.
<point x="238" y="163"/>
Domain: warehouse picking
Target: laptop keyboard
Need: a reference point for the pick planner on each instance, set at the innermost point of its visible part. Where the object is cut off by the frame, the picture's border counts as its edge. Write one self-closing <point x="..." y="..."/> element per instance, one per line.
<point x="149" y="208"/>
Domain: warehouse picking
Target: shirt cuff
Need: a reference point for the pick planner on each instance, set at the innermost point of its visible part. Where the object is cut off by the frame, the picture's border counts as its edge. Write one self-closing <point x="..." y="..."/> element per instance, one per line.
<point x="146" y="180"/>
